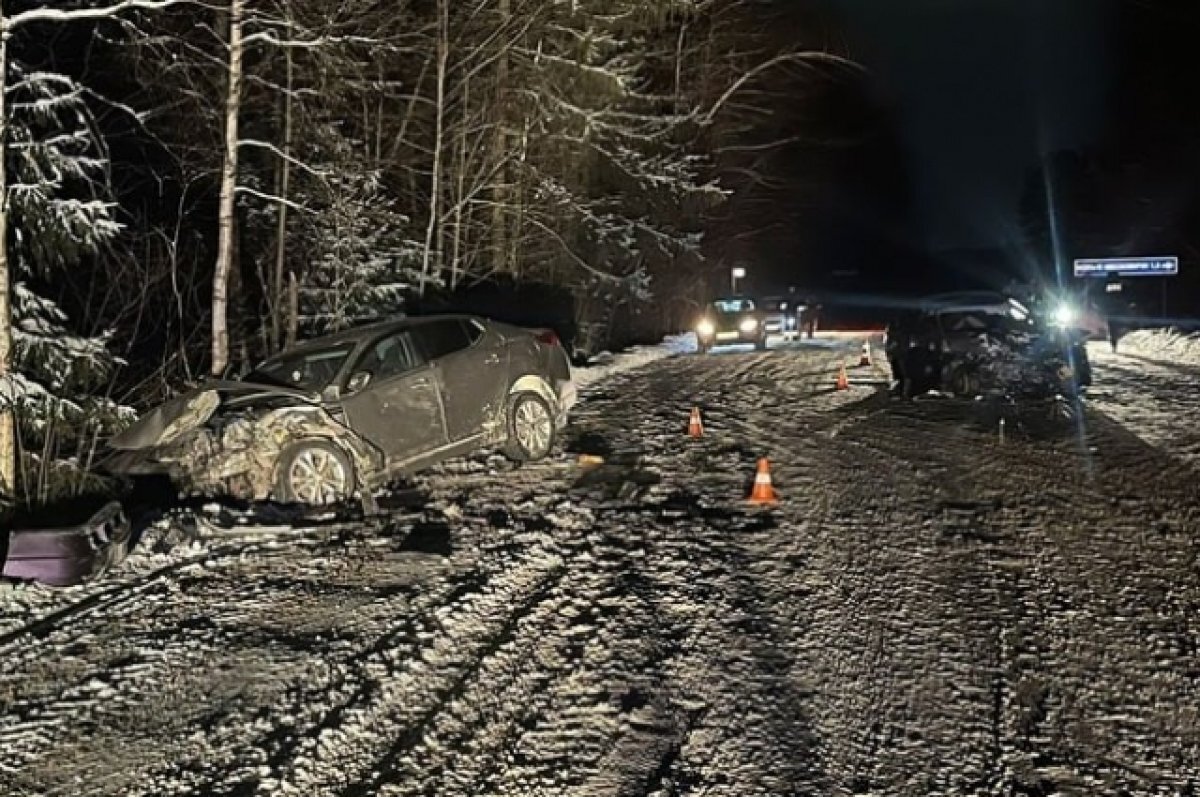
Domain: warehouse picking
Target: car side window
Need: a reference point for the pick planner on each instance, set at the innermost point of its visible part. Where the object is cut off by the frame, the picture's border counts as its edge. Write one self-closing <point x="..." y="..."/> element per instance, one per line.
<point x="443" y="337"/>
<point x="390" y="356"/>
<point x="474" y="330"/>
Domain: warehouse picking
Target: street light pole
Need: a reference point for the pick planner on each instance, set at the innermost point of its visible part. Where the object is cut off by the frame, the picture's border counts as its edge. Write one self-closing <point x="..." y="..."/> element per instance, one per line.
<point x="736" y="273"/>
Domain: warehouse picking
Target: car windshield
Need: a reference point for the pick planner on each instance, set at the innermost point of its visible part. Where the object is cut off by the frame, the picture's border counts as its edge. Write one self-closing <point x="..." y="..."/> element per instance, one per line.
<point x="975" y="321"/>
<point x="731" y="306"/>
<point x="309" y="370"/>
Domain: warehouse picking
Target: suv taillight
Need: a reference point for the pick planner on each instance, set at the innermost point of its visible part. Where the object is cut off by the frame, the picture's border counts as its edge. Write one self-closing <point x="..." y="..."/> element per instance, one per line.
<point x="549" y="337"/>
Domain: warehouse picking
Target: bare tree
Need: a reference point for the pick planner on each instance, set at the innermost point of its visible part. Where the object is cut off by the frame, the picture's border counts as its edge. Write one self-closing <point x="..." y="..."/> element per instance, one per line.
<point x="433" y="228"/>
<point x="278" y="305"/>
<point x="229" y="165"/>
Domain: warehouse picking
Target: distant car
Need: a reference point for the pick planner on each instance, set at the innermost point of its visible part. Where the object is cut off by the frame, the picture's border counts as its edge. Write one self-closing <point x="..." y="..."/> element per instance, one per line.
<point x="782" y="315"/>
<point x="975" y="344"/>
<point x="730" y="322"/>
<point x="345" y="414"/>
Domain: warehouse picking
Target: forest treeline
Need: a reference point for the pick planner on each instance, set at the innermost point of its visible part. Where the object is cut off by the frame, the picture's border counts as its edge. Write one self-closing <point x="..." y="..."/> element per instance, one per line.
<point x="195" y="185"/>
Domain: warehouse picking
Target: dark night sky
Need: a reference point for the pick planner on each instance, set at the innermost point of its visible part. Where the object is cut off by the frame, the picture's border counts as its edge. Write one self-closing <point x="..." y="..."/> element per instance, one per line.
<point x="981" y="89"/>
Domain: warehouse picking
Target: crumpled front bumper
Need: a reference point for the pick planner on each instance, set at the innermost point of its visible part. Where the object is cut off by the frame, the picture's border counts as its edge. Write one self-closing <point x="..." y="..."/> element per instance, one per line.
<point x="238" y="457"/>
<point x="142" y="462"/>
<point x="69" y="555"/>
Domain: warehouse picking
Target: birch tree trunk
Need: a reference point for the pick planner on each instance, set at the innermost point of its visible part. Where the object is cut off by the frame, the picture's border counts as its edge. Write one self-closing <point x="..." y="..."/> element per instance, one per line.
<point x="500" y="249"/>
<point x="8" y="437"/>
<point x="435" y="189"/>
<point x="461" y="179"/>
<point x="279" y="303"/>
<point x="220" y="301"/>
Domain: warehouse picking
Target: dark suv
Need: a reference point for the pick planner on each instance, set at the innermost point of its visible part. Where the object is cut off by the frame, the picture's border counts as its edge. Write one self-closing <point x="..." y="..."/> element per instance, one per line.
<point x="976" y="344"/>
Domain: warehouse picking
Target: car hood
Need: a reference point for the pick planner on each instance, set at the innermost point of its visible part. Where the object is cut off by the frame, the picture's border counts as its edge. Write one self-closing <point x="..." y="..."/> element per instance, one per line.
<point x="148" y="430"/>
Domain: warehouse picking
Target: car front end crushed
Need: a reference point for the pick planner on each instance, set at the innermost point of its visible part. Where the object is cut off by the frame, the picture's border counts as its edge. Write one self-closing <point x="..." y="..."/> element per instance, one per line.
<point x="217" y="444"/>
<point x="1029" y="367"/>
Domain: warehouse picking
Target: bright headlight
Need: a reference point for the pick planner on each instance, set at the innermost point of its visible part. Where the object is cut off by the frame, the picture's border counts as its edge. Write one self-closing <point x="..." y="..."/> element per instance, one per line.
<point x="705" y="329"/>
<point x="1064" y="315"/>
<point x="749" y="324"/>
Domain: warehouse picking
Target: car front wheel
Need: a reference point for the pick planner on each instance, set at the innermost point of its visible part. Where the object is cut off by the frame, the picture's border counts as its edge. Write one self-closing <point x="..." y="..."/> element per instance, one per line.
<point x="314" y="472"/>
<point x="530" y="428"/>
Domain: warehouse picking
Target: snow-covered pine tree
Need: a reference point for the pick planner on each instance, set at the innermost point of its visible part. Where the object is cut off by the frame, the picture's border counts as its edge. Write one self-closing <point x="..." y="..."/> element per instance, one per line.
<point x="608" y="188"/>
<point x="357" y="257"/>
<point x="58" y="216"/>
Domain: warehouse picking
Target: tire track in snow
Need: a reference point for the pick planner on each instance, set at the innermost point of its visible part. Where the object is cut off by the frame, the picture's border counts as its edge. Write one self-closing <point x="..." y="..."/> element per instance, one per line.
<point x="927" y="612"/>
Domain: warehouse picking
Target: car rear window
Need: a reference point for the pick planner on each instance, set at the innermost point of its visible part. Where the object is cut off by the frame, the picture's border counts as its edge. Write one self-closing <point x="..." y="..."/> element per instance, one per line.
<point x="444" y="337"/>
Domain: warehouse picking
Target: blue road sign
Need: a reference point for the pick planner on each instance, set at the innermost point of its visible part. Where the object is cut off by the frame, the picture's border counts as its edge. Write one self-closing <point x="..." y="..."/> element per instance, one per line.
<point x="1128" y="267"/>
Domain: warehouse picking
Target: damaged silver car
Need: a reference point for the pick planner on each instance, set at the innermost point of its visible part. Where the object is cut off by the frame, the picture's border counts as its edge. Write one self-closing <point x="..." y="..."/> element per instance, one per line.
<point x="344" y="415"/>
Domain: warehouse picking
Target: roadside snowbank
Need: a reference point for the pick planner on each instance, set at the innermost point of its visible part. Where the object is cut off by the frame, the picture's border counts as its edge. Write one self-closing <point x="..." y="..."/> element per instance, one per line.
<point x="606" y="364"/>
<point x="1168" y="345"/>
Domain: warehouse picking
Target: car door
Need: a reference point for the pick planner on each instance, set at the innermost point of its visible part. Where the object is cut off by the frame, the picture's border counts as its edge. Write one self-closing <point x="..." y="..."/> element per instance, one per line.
<point x="471" y="366"/>
<point x="399" y="410"/>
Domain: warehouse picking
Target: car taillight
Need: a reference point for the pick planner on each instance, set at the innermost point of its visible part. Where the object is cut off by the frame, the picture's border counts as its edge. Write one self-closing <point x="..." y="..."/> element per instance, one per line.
<point x="548" y="337"/>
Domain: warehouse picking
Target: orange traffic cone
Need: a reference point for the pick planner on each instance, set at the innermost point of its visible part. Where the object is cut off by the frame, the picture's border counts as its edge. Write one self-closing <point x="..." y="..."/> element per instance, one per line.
<point x="695" y="425"/>
<point x="864" y="359"/>
<point x="763" y="492"/>
<point x="843" y="381"/>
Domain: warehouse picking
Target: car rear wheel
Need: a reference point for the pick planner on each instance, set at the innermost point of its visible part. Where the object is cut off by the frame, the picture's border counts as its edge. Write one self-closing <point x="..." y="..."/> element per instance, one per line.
<point x="530" y="428"/>
<point x="314" y="472"/>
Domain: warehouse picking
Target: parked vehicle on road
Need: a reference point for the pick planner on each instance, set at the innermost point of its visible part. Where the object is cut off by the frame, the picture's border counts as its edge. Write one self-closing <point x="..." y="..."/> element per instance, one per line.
<point x="729" y="322"/>
<point x="345" y="414"/>
<point x="782" y="316"/>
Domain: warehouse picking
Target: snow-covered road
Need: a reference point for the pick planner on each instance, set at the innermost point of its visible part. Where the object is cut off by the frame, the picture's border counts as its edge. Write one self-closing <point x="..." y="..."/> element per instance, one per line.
<point x="928" y="611"/>
<point x="1158" y="398"/>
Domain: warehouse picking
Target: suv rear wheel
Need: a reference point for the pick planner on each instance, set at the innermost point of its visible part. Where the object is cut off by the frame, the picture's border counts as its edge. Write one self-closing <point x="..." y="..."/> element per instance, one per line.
<point x="964" y="382"/>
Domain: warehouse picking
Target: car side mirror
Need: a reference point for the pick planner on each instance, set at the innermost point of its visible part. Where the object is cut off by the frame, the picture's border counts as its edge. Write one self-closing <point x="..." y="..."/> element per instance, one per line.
<point x="358" y="381"/>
